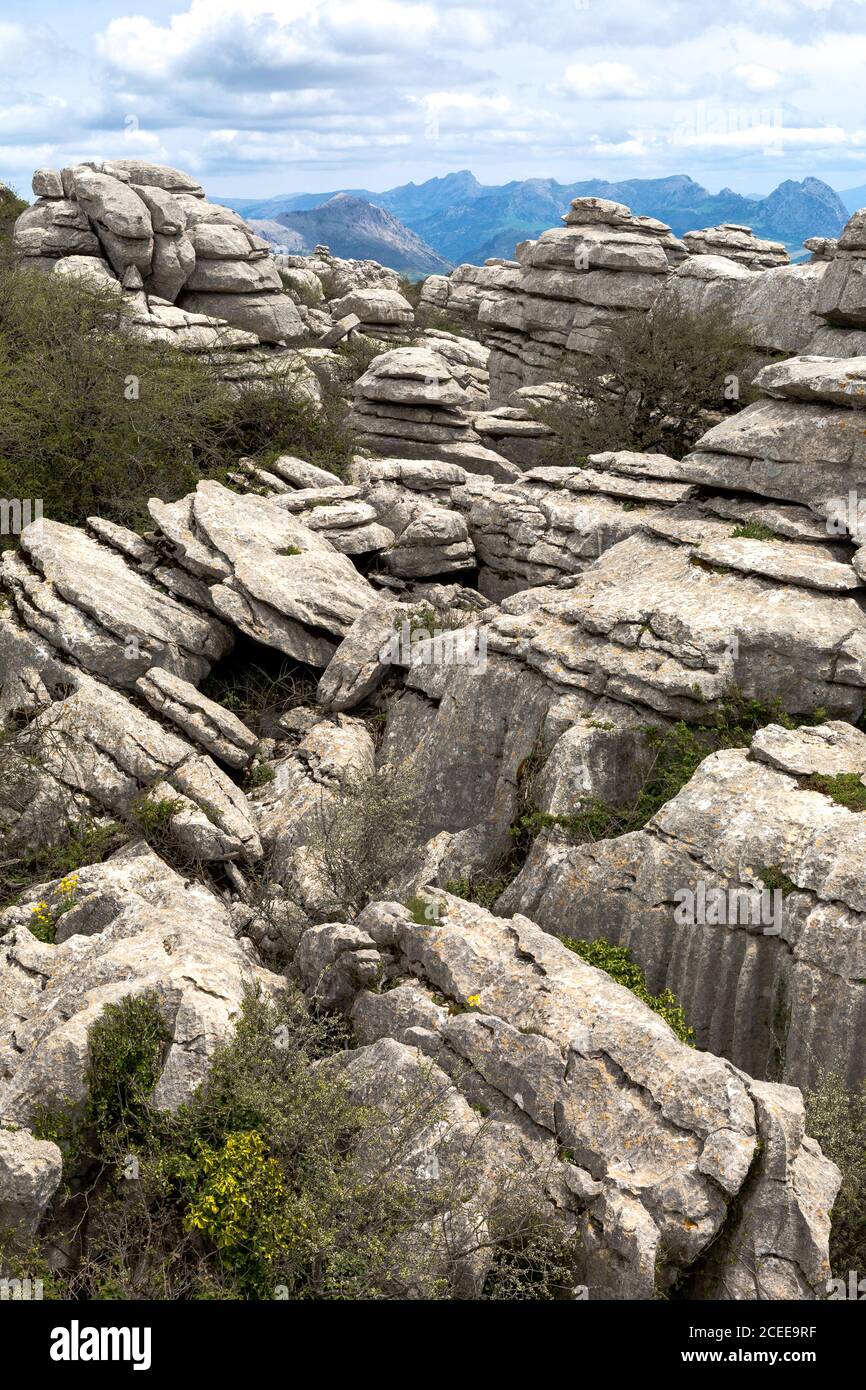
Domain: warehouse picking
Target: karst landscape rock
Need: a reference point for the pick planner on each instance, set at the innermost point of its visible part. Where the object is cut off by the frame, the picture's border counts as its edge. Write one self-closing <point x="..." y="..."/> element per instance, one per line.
<point x="509" y="641"/>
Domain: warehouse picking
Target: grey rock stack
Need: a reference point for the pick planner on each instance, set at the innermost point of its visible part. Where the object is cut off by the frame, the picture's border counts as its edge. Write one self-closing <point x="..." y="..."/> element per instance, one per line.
<point x="736" y="243"/>
<point x="576" y="281"/>
<point x="130" y="217"/>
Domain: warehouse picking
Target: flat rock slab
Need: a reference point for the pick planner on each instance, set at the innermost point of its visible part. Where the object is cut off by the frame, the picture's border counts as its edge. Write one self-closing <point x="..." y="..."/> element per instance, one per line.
<point x="840" y="382"/>
<point x="808" y="565"/>
<point x="119" y="622"/>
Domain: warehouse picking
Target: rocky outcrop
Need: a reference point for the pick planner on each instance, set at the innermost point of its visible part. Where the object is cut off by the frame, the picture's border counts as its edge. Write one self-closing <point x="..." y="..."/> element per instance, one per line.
<point x="460" y="295"/>
<point x="135" y="927"/>
<point x="648" y="1144"/>
<point x="30" y="1173"/>
<point x="263" y="570"/>
<point x="408" y="400"/>
<point x="576" y="282"/>
<point x="776" y="309"/>
<point x="736" y="243"/>
<point x="154" y="224"/>
<point x="382" y="313"/>
<point x="772" y="977"/>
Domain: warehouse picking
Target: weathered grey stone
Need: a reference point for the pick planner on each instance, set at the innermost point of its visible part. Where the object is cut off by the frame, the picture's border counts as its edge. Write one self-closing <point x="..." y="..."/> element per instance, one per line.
<point x="215" y="728"/>
<point x="30" y="1173"/>
<point x="774" y="984"/>
<point x="85" y="599"/>
<point x="136" y="927"/>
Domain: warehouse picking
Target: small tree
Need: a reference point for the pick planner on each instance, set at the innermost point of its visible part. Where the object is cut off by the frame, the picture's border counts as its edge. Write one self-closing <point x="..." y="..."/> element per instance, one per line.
<point x="662" y="377"/>
<point x="364" y="836"/>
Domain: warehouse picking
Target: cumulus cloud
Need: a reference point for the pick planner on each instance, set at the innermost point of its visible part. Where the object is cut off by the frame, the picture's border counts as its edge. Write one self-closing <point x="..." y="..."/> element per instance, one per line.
<point x="261" y="89"/>
<point x="602" y="81"/>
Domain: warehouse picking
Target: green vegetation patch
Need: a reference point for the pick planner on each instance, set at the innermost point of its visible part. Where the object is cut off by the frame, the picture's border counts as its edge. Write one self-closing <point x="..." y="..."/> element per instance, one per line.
<point x="617" y="962"/>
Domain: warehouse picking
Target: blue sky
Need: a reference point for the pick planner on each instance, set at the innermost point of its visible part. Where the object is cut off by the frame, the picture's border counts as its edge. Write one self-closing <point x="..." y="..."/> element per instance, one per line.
<point x="271" y="96"/>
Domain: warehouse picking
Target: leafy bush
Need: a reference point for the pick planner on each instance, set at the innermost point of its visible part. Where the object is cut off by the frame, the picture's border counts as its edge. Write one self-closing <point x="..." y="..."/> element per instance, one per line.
<point x="659" y="378"/>
<point x="754" y="531"/>
<point x="478" y="889"/>
<point x="87" y="842"/>
<point x="93" y="421"/>
<point x="272" y="1182"/>
<point x="836" y="1117"/>
<point x="617" y="961"/>
<point x="11" y="207"/>
<point x="126" y="1052"/>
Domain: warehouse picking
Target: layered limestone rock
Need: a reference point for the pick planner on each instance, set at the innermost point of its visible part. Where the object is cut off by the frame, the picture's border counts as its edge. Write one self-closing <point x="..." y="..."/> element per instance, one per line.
<point x="842" y="300"/>
<point x="337" y="277"/>
<point x="460" y="295"/>
<point x="772" y="977"/>
<point x="576" y="282"/>
<point x="804" y="444"/>
<point x="649" y="1145"/>
<point x="136" y="926"/>
<point x="736" y="243"/>
<point x="260" y="568"/>
<point x="153" y="222"/>
<point x="408" y="400"/>
<point x="76" y="749"/>
<point x="88" y="600"/>
<point x="411" y="500"/>
<point x="30" y="1174"/>
<point x="381" y="312"/>
<point x="776" y="309"/>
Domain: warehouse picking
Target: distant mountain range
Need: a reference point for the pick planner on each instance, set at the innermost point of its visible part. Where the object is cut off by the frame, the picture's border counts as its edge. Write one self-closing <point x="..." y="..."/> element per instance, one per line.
<point x="353" y="228"/>
<point x="459" y="219"/>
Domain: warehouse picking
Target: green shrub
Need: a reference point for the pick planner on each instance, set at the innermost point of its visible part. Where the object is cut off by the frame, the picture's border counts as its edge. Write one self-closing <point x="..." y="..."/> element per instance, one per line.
<point x="836" y="1117"/>
<point x="272" y="1181"/>
<point x="617" y="961"/>
<point x="151" y="818"/>
<point x="93" y="421"/>
<point x="845" y="788"/>
<point x="87" y="842"/>
<point x="754" y="531"/>
<point x="652" y="389"/>
<point x="478" y="889"/>
<point x="11" y="207"/>
<point x="126" y="1054"/>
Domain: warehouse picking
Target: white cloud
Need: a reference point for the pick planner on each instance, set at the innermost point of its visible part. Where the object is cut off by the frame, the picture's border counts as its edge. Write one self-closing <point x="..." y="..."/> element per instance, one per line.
<point x="756" y="77"/>
<point x="602" y="81"/>
<point x="367" y="87"/>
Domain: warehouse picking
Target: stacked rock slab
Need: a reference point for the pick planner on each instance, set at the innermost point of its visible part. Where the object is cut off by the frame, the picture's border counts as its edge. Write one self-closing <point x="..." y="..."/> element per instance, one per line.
<point x="148" y="219"/>
<point x="842" y="300"/>
<point x="382" y="313"/>
<point x="337" y="276"/>
<point x="410" y="402"/>
<point x="736" y="243"/>
<point x="461" y="294"/>
<point x="576" y="282"/>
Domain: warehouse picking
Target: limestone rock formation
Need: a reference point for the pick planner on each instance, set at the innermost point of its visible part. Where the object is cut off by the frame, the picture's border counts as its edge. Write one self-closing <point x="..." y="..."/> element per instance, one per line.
<point x="130" y="216"/>
<point x="576" y="281"/>
<point x="772" y="978"/>
<point x="655" y="1140"/>
<point x="736" y="243"/>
